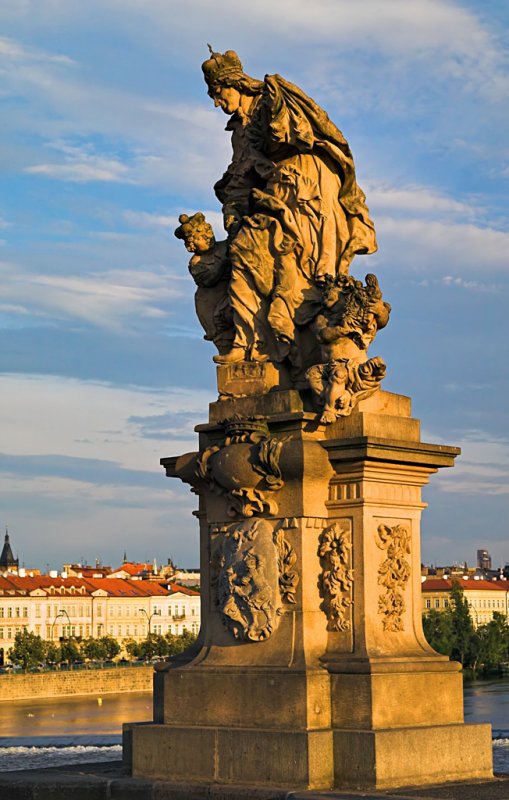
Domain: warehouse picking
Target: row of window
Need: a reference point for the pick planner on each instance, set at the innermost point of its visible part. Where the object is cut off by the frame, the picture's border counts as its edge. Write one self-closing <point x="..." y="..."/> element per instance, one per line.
<point x="479" y="603"/>
<point x="53" y="611"/>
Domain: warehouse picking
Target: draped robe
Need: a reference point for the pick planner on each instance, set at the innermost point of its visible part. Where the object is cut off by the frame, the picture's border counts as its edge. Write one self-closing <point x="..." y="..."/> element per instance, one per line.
<point x="300" y="215"/>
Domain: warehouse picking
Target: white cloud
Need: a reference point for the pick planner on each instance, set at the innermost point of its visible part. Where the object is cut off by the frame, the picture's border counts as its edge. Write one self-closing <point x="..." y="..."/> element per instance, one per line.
<point x="423" y="200"/>
<point x="15" y="51"/>
<point x="430" y="245"/>
<point x="482" y="469"/>
<point x="90" y="420"/>
<point x="114" y="299"/>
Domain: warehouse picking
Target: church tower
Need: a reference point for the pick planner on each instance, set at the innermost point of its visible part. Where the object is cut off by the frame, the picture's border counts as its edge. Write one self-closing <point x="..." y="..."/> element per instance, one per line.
<point x="7" y="560"/>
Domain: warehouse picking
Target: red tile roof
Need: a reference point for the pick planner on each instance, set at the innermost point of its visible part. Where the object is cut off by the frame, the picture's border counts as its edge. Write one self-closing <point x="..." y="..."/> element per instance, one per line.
<point x="445" y="585"/>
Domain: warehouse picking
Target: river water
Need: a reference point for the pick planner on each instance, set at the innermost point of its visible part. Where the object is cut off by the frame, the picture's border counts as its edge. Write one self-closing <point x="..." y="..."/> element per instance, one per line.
<point x="74" y="730"/>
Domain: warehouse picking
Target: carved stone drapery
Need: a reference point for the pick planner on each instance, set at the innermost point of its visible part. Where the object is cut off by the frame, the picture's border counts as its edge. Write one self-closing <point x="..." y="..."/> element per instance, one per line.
<point x="336" y="579"/>
<point x="393" y="574"/>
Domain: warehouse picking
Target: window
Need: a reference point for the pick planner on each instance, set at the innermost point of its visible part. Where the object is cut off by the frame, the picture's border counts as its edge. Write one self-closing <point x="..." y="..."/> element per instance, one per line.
<point x="48" y="631"/>
<point x="18" y="612"/>
<point x="99" y="630"/>
<point x="437" y="602"/>
<point x="446" y="603"/>
<point x="9" y="612"/>
<point x="428" y="603"/>
<point x="1" y="633"/>
<point x="99" y="611"/>
<point x="37" y="630"/>
<point x="48" y="611"/>
<point x="119" y="630"/>
<point x="25" y="611"/>
<point x="9" y="633"/>
<point x="2" y="612"/>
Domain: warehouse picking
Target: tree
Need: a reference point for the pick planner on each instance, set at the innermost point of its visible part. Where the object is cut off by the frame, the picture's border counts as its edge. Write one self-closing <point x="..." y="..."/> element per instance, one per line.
<point x="69" y="650"/>
<point x="132" y="648"/>
<point x="492" y="645"/>
<point x="437" y="628"/>
<point x="462" y="628"/>
<point x="153" y="645"/>
<point x="28" y="650"/>
<point x="91" y="649"/>
<point x="104" y="648"/>
<point x="110" y="647"/>
<point x="178" y="643"/>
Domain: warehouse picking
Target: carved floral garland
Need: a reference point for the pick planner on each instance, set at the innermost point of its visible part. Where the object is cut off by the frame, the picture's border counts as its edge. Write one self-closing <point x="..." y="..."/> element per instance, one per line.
<point x="336" y="579"/>
<point x="393" y="574"/>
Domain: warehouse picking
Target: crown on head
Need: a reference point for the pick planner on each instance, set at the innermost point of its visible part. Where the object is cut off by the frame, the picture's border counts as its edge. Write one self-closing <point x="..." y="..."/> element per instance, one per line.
<point x="220" y="65"/>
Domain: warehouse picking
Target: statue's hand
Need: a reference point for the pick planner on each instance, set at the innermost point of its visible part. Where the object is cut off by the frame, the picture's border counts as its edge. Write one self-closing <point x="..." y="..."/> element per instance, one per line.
<point x="232" y="221"/>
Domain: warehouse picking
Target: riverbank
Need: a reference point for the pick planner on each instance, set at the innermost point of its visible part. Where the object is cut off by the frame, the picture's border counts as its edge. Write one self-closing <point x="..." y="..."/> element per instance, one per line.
<point x="83" y="682"/>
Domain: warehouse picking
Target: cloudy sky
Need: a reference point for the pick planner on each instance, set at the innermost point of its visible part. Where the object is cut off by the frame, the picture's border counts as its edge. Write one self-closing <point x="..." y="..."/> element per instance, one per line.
<point x="107" y="135"/>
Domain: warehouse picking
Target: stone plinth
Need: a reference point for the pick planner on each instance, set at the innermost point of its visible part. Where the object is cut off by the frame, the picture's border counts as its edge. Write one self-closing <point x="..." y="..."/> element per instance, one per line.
<point x="311" y="668"/>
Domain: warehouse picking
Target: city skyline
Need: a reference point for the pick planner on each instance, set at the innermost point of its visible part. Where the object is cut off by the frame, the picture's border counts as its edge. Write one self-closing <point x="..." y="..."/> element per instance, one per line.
<point x="109" y="135"/>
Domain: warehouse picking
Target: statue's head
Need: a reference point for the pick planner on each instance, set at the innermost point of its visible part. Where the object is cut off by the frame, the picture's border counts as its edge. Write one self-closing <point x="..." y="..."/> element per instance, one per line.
<point x="227" y="81"/>
<point x="330" y="289"/>
<point x="196" y="233"/>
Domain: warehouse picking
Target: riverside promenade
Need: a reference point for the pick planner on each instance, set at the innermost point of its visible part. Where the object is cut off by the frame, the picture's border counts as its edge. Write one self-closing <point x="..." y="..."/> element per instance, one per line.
<point x="24" y="686"/>
<point x="109" y="781"/>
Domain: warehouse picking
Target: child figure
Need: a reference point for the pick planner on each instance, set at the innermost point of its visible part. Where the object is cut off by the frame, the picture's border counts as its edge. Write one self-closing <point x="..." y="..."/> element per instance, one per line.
<point x="210" y="269"/>
<point x="347" y="323"/>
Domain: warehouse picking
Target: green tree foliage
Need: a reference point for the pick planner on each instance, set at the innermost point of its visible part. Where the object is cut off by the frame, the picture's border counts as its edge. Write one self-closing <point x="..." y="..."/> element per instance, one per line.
<point x="105" y="648"/>
<point x="452" y="633"/>
<point x="438" y="631"/>
<point x="462" y="627"/>
<point x="29" y="650"/>
<point x="177" y="644"/>
<point x="69" y="651"/>
<point x="157" y="646"/>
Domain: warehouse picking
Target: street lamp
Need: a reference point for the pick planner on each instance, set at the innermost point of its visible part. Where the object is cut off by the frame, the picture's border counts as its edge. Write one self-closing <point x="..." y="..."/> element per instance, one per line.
<point x="62" y="613"/>
<point x="156" y="613"/>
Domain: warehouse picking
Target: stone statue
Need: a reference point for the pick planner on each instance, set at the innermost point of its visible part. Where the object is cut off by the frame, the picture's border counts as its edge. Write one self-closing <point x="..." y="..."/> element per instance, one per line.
<point x="295" y="217"/>
<point x="350" y="316"/>
<point x="210" y="269"/>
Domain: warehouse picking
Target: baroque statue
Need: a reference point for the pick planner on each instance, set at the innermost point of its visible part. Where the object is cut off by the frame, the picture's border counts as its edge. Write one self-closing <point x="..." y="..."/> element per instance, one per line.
<point x="277" y="288"/>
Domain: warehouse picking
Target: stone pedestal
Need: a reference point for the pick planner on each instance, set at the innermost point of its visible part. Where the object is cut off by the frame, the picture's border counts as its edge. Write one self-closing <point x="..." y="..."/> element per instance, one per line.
<point x="311" y="669"/>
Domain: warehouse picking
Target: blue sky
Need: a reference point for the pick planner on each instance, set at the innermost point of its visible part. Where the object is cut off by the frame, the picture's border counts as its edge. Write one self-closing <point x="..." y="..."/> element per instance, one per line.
<point x="108" y="135"/>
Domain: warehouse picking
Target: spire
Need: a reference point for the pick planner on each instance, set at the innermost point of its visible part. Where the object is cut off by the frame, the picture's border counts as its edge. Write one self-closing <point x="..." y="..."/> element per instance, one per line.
<point x="7" y="556"/>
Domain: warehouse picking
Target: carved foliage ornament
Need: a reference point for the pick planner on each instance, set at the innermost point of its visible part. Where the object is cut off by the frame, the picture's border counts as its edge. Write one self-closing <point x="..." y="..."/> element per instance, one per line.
<point x="336" y="579"/>
<point x="393" y="574"/>
<point x="252" y="571"/>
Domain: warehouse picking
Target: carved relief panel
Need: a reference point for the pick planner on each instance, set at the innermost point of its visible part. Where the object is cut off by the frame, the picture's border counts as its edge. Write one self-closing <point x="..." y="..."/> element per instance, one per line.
<point x="336" y="579"/>
<point x="393" y="574"/>
<point x="253" y="572"/>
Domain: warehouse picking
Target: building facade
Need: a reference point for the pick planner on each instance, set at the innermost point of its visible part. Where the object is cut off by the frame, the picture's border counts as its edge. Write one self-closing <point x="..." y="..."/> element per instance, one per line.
<point x="56" y="607"/>
<point x="483" y="597"/>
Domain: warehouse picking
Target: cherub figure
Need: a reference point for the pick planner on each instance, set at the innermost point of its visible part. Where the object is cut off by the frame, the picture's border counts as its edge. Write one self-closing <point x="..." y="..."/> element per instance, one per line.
<point x="347" y="323"/>
<point x="210" y="269"/>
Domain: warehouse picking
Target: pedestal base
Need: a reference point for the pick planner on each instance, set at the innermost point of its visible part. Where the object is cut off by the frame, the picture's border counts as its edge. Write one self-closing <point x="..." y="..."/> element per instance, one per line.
<point x="385" y="759"/>
<point x="241" y="756"/>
